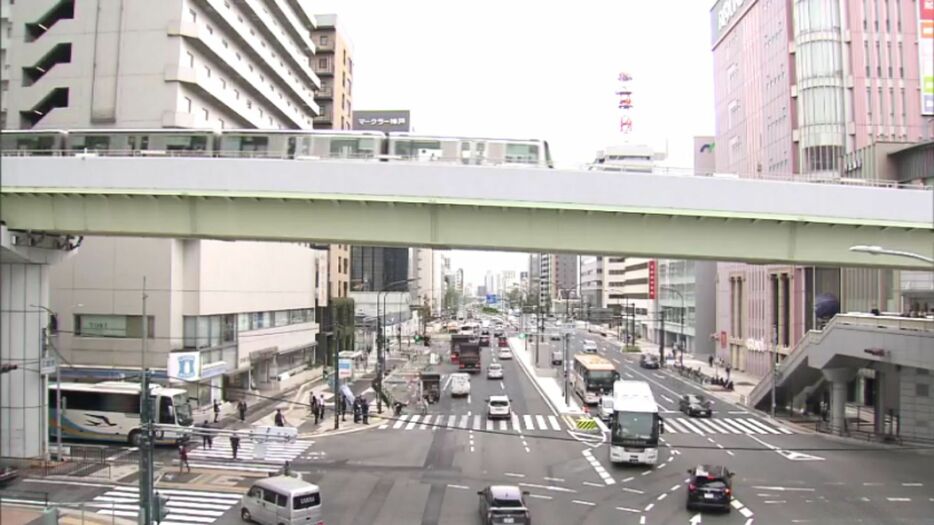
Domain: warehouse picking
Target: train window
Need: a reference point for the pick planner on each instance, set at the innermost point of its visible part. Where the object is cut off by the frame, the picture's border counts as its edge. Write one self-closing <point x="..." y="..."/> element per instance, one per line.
<point x="524" y="153"/>
<point x="421" y="149"/>
<point x="353" y="148"/>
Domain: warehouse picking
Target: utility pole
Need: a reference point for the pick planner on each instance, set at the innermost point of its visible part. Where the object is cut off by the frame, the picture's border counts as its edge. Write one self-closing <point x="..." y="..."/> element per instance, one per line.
<point x="338" y="397"/>
<point x="773" y="371"/>
<point x="379" y="358"/>
<point x="564" y="363"/>
<point x="145" y="441"/>
<point x="661" y="337"/>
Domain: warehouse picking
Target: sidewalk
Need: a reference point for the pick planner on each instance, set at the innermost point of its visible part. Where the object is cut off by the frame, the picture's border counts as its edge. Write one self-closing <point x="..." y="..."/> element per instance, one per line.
<point x="548" y="385"/>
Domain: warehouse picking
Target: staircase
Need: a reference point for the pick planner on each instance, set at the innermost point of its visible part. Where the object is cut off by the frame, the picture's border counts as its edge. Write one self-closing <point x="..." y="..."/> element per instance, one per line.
<point x="63" y="10"/>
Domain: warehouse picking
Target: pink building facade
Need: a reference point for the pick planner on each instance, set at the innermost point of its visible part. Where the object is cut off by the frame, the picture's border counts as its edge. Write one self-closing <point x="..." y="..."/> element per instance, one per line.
<point x="798" y="86"/>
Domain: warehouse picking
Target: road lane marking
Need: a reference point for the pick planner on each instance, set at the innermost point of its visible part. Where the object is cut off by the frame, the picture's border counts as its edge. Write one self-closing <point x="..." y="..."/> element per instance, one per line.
<point x="912" y="484"/>
<point x="633" y="491"/>
<point x="627" y="480"/>
<point x="666" y="398"/>
<point x="745" y="512"/>
<point x="743" y="422"/>
<point x="553" y="421"/>
<point x="642" y="520"/>
<point x="540" y="496"/>
<point x="731" y="424"/>
<point x="425" y="421"/>
<point x="899" y="499"/>
<point x="592" y="484"/>
<point x="463" y="422"/>
<point x="552" y="488"/>
<point x="673" y="423"/>
<point x="705" y="424"/>
<point x="541" y="422"/>
<point x="774" y="501"/>
<point x="721" y="427"/>
<point x="503" y="425"/>
<point x="627" y="509"/>
<point x="462" y="487"/>
<point x="694" y="429"/>
<point x="489" y="425"/>
<point x="399" y="422"/>
<point x="662" y="496"/>
<point x="412" y="422"/>
<point x="649" y="507"/>
<point x="513" y="475"/>
<point x="502" y="386"/>
<point x="559" y="480"/>
<point x="476" y="422"/>
<point x="527" y="418"/>
<point x="783" y="489"/>
<point x="674" y="487"/>
<point x="760" y="424"/>
<point x="588" y="503"/>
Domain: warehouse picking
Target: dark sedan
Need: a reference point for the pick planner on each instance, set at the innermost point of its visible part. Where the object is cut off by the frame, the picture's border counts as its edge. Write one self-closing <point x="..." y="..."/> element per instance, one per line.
<point x="710" y="486"/>
<point x="695" y="406"/>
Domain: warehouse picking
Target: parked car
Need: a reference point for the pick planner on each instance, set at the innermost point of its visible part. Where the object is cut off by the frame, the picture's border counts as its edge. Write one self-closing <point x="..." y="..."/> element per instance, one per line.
<point x="695" y="406"/>
<point x="503" y="504"/>
<point x="494" y="371"/>
<point x="710" y="486"/>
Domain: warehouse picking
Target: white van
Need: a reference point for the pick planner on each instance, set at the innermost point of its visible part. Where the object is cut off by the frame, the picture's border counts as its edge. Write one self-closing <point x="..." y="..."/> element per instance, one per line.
<point x="282" y="500"/>
<point x="460" y="384"/>
<point x="590" y="347"/>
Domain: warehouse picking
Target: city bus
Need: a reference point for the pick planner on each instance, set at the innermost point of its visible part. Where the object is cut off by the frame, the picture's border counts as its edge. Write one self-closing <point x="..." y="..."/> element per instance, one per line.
<point x="591" y="375"/>
<point x="635" y="424"/>
<point x="109" y="411"/>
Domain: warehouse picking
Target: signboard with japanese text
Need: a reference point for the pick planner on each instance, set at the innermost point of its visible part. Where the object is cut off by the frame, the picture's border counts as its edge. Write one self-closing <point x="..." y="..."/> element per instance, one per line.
<point x="386" y="121"/>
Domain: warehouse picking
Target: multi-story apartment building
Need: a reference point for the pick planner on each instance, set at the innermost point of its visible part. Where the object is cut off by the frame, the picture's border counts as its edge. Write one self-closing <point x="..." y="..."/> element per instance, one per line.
<point x="179" y="63"/>
<point x="799" y="88"/>
<point x="553" y="278"/>
<point x="333" y="62"/>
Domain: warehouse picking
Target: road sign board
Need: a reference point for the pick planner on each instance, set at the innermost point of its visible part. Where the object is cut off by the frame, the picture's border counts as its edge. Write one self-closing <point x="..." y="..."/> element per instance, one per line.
<point x="345" y="368"/>
<point x="48" y="365"/>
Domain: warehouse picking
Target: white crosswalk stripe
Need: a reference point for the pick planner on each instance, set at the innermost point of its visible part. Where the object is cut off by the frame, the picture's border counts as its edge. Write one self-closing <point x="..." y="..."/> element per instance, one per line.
<point x="250" y="456"/>
<point x="186" y="507"/>
<point x="722" y="425"/>
<point x="516" y="423"/>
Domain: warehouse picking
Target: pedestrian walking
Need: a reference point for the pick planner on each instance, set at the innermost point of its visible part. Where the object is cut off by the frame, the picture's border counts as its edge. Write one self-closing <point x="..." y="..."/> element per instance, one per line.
<point x="343" y="407"/>
<point x="365" y="409"/>
<point x="183" y="459"/>
<point x="710" y="360"/>
<point x="313" y="404"/>
<point x="217" y="410"/>
<point x="356" y="409"/>
<point x="728" y="368"/>
<point x="207" y="441"/>
<point x="321" y="406"/>
<point x="279" y="419"/>
<point x="241" y="409"/>
<point x="234" y="444"/>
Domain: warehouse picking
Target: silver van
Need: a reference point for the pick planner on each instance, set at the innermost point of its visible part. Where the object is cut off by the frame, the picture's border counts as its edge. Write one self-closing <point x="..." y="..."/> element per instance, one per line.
<point x="282" y="500"/>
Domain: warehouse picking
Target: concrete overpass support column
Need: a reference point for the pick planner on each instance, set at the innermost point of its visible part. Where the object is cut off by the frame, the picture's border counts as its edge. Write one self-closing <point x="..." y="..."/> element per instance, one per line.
<point x="24" y="298"/>
<point x="838" y="378"/>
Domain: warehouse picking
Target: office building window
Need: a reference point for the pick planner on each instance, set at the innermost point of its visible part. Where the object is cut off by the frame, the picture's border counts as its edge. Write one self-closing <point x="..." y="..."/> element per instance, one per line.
<point x="323" y="63"/>
<point x="191" y="60"/>
<point x="888" y="47"/>
<point x="205" y="114"/>
<point x="898" y="15"/>
<point x="901" y="62"/>
<point x="210" y="29"/>
<point x="220" y="123"/>
<point x="904" y="105"/>
<point x="223" y="84"/>
<point x="186" y="104"/>
<point x="207" y="71"/>
<point x="193" y="15"/>
<point x="323" y="40"/>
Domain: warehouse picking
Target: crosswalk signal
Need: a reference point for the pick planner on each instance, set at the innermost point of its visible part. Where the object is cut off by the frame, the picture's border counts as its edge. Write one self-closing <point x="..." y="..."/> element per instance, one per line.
<point x="162" y="507"/>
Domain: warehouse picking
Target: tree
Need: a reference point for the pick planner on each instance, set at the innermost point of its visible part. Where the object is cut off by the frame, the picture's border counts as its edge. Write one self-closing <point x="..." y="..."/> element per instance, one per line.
<point x="452" y="299"/>
<point x="514" y="298"/>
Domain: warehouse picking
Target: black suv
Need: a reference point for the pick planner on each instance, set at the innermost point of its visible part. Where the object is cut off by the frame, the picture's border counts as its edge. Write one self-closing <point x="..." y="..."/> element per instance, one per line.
<point x="710" y="486"/>
<point x="695" y="406"/>
<point x="503" y="504"/>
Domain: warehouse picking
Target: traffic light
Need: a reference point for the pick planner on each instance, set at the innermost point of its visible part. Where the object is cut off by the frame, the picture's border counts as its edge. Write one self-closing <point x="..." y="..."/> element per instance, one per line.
<point x="161" y="504"/>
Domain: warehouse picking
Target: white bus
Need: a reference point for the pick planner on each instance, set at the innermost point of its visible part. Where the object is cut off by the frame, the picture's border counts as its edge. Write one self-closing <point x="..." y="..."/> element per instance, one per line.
<point x="590" y="375"/>
<point x="109" y="411"/>
<point x="635" y="425"/>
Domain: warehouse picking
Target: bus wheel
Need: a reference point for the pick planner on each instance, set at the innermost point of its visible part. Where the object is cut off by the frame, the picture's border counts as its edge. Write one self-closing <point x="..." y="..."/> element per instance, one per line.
<point x="134" y="438"/>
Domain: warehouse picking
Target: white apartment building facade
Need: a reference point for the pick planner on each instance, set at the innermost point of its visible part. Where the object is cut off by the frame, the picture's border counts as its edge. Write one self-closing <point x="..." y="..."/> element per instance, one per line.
<point x="172" y="63"/>
<point x="244" y="310"/>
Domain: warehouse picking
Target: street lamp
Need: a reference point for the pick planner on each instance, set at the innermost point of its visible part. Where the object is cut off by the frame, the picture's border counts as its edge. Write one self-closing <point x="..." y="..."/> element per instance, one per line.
<point x="46" y="333"/>
<point x="680" y="320"/>
<point x="380" y="365"/>
<point x="879" y="250"/>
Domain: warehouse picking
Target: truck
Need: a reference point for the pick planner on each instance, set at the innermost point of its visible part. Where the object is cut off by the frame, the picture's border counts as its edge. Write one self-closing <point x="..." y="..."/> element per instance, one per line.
<point x="469" y="357"/>
<point x="456" y="341"/>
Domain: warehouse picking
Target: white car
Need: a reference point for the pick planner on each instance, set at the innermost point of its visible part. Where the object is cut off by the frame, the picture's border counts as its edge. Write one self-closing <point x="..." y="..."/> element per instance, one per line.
<point x="590" y="347"/>
<point x="460" y="384"/>
<point x="505" y="353"/>
<point x="498" y="407"/>
<point x="494" y="371"/>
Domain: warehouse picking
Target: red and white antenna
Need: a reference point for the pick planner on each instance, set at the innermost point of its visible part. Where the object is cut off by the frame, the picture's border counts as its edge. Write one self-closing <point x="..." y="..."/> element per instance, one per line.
<point x="625" y="103"/>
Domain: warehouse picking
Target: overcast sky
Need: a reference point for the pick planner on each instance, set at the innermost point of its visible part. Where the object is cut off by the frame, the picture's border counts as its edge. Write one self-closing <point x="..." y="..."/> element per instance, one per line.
<point x="542" y="69"/>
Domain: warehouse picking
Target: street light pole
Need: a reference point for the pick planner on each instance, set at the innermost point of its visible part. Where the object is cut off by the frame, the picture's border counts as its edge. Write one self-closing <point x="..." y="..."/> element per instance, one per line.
<point x="380" y="340"/>
<point x="879" y="250"/>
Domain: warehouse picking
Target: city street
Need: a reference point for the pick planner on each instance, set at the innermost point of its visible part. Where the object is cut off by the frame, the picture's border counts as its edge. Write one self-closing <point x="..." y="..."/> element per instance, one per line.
<point x="427" y="469"/>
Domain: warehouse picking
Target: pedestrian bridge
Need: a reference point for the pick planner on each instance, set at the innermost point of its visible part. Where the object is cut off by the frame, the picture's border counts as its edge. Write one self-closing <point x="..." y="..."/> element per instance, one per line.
<point x="447" y="205"/>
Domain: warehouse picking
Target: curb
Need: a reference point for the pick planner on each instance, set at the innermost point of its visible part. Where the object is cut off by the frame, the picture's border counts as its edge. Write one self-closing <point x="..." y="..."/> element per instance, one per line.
<point x="538" y="389"/>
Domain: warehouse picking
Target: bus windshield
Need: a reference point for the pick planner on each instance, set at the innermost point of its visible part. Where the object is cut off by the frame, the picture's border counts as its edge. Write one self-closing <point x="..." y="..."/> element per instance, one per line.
<point x="182" y="410"/>
<point x="600" y="379"/>
<point x="635" y="426"/>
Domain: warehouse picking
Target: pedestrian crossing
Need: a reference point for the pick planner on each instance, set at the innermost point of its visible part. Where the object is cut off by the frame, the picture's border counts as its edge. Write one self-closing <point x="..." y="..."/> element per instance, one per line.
<point x="252" y="457"/>
<point x="722" y="425"/>
<point x="186" y="507"/>
<point x="434" y="422"/>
